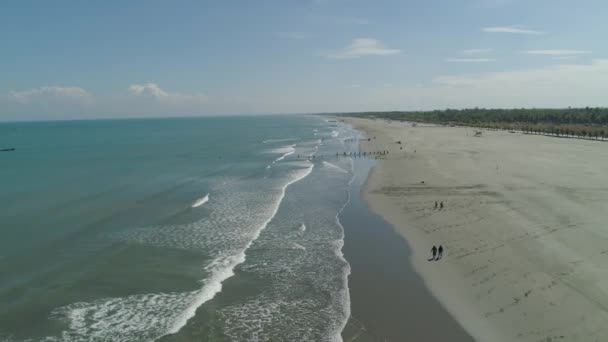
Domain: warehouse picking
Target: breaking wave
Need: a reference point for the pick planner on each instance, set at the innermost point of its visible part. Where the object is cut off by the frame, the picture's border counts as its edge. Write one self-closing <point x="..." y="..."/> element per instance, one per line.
<point x="200" y="201"/>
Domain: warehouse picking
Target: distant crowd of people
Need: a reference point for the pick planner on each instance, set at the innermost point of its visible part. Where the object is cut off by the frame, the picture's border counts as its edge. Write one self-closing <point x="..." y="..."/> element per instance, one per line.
<point x="373" y="154"/>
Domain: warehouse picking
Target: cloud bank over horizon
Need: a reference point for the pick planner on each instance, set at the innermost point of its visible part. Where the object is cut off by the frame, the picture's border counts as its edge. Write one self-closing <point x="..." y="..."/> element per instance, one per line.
<point x="558" y="85"/>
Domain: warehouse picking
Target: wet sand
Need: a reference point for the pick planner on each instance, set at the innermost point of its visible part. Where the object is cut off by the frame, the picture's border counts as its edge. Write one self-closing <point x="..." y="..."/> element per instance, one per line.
<point x="524" y="225"/>
<point x="389" y="300"/>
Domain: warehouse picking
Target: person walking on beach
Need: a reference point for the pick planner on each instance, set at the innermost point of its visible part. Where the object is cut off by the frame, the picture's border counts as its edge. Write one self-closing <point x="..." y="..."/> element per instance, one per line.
<point x="435" y="204"/>
<point x="434" y="252"/>
<point x="440" y="252"/>
<point x="441" y="205"/>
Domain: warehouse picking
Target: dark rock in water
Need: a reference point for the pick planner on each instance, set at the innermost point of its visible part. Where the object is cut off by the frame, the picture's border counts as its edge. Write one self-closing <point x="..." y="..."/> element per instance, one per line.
<point x="7" y="149"/>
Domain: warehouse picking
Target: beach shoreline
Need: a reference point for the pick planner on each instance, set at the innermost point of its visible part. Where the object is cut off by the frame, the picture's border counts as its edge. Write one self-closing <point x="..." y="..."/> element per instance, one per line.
<point x="525" y="255"/>
<point x="389" y="301"/>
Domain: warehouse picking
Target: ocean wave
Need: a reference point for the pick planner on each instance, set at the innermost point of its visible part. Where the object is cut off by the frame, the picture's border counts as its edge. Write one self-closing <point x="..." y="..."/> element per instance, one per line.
<point x="150" y="316"/>
<point x="283" y="156"/>
<point x="298" y="246"/>
<point x="142" y="317"/>
<point x="305" y="294"/>
<point x="269" y="141"/>
<point x="227" y="265"/>
<point x="227" y="235"/>
<point x="200" y="201"/>
<point x="283" y="149"/>
<point x="334" y="167"/>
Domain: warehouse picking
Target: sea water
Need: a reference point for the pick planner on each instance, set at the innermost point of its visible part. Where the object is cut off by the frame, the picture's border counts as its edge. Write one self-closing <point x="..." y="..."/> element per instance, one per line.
<point x="208" y="229"/>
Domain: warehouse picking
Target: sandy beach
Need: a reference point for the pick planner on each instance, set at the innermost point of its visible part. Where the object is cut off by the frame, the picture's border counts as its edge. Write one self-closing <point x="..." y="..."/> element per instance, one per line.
<point x="524" y="225"/>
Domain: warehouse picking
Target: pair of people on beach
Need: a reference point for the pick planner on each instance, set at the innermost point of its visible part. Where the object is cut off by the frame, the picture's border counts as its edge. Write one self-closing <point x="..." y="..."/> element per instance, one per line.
<point x="440" y="205"/>
<point x="437" y="252"/>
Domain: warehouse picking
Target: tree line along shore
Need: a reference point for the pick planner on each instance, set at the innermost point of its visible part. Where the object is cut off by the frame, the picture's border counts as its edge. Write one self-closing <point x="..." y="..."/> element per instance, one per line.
<point x="582" y="123"/>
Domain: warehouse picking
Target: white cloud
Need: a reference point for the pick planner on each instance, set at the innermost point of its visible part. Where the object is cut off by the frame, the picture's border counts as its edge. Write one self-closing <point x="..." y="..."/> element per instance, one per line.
<point x="294" y="35"/>
<point x="352" y="86"/>
<point x="50" y="94"/>
<point x="153" y="91"/>
<point x="140" y="100"/>
<point x="511" y="29"/>
<point x="45" y="103"/>
<point x="476" y="51"/>
<point x="556" y="52"/>
<point x="470" y="60"/>
<point x="363" y="47"/>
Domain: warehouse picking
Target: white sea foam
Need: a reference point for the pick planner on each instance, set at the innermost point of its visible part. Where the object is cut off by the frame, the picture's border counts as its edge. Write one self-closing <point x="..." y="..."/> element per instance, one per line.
<point x="224" y="269"/>
<point x="225" y="235"/>
<point x="335" y="134"/>
<point x="285" y="309"/>
<point x="298" y="246"/>
<point x="134" y="318"/>
<point x="271" y="312"/>
<point x="345" y="291"/>
<point x="200" y="201"/>
<point x="283" y="156"/>
<point x="247" y="322"/>
<point x="268" y="141"/>
<point x="283" y="149"/>
<point x="334" y="167"/>
<point x="220" y="270"/>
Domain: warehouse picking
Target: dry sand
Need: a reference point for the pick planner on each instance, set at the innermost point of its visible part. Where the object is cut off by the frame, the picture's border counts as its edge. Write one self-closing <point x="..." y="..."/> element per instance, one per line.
<point x="525" y="226"/>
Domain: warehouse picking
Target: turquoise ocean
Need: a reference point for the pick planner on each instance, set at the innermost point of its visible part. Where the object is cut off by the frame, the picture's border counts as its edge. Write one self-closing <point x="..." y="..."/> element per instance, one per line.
<point x="206" y="229"/>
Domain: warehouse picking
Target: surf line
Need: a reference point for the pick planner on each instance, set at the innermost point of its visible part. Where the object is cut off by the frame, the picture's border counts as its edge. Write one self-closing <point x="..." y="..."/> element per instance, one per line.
<point x="345" y="292"/>
<point x="213" y="285"/>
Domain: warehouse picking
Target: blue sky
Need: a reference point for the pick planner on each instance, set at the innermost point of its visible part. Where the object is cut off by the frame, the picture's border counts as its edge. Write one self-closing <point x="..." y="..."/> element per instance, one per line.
<point x="85" y="59"/>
